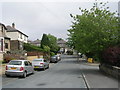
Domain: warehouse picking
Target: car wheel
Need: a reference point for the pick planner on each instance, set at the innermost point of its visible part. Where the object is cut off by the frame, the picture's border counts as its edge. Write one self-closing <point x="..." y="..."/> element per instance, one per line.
<point x="48" y="67"/>
<point x="44" y="68"/>
<point x="7" y="75"/>
<point x="33" y="72"/>
<point x="25" y="74"/>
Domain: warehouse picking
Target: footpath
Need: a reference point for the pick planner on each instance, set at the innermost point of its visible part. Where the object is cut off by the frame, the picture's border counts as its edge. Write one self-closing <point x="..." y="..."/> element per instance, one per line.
<point x="2" y="69"/>
<point x="97" y="79"/>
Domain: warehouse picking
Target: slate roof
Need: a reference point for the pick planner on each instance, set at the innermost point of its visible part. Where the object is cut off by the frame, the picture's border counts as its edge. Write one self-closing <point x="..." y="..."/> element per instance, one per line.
<point x="11" y="29"/>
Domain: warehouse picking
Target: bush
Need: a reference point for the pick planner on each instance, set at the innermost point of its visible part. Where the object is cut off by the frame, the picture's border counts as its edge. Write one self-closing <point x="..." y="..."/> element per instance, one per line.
<point x="52" y="53"/>
<point x="112" y="56"/>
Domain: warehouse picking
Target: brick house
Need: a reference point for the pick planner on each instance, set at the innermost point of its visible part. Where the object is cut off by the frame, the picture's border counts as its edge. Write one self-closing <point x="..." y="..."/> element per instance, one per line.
<point x="4" y="41"/>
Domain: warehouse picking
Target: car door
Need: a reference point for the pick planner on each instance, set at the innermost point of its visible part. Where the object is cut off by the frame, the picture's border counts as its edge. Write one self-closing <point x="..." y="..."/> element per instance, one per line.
<point x="30" y="67"/>
<point x="45" y="63"/>
<point x="26" y="67"/>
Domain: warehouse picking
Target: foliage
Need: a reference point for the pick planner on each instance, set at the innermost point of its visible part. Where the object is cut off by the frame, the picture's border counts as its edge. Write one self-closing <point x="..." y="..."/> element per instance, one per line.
<point x="29" y="47"/>
<point x="52" y="53"/>
<point x="46" y="49"/>
<point x="111" y="56"/>
<point x="44" y="41"/>
<point x="94" y="30"/>
<point x="53" y="43"/>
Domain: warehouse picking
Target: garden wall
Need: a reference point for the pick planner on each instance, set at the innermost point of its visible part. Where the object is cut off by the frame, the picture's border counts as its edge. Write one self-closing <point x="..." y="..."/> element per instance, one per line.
<point x="111" y="70"/>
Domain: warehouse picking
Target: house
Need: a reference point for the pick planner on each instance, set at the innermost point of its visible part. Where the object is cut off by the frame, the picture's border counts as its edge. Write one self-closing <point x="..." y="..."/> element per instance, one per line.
<point x="18" y="38"/>
<point x="4" y="41"/>
<point x="35" y="43"/>
<point x="62" y="44"/>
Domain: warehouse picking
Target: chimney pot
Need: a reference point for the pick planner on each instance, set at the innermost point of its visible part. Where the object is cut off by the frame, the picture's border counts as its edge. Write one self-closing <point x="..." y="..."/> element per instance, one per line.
<point x="13" y="25"/>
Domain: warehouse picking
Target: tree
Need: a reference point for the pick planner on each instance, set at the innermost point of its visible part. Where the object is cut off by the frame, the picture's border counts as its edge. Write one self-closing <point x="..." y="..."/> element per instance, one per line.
<point x="53" y="43"/>
<point x="94" y="30"/>
<point x="44" y="41"/>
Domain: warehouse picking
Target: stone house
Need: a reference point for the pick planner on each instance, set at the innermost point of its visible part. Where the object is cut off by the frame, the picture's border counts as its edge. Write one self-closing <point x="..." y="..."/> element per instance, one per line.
<point x="18" y="38"/>
<point x="4" y="41"/>
<point x="62" y="44"/>
<point x="35" y="42"/>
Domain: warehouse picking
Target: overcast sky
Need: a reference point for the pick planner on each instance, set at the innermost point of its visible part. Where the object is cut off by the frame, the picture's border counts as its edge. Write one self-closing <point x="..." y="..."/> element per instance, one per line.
<point x="36" y="18"/>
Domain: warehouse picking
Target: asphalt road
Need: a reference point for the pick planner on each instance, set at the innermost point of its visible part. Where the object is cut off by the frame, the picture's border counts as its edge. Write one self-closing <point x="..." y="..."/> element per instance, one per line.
<point x="64" y="74"/>
<point x="67" y="73"/>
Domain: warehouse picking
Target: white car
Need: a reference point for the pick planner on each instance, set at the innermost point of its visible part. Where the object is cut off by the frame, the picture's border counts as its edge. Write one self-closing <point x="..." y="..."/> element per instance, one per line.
<point x="40" y="63"/>
<point x="19" y="68"/>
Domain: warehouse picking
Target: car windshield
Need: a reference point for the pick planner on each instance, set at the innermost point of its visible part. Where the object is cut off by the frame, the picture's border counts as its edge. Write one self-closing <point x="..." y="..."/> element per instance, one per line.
<point x="15" y="63"/>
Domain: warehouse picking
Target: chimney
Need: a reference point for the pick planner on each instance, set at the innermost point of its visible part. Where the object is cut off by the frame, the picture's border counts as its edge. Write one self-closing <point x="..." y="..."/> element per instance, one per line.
<point x="13" y="25"/>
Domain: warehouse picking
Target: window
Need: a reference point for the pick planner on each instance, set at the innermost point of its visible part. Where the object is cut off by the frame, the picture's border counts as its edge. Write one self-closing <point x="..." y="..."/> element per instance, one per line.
<point x="29" y="63"/>
<point x="20" y="35"/>
<point x="26" y="63"/>
<point x="15" y="63"/>
<point x="6" y="45"/>
<point x="1" y="44"/>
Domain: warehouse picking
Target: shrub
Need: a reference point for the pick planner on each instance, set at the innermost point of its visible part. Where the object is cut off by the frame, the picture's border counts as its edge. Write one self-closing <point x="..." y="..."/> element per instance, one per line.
<point x="112" y="56"/>
<point x="52" y="53"/>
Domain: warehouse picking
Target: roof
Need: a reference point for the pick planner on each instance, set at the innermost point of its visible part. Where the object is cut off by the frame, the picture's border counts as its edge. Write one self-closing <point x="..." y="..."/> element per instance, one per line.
<point x="3" y="26"/>
<point x="61" y="41"/>
<point x="36" y="42"/>
<point x="11" y="29"/>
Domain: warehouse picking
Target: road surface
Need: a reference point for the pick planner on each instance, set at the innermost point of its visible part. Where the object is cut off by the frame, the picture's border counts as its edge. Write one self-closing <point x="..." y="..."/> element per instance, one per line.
<point x="67" y="73"/>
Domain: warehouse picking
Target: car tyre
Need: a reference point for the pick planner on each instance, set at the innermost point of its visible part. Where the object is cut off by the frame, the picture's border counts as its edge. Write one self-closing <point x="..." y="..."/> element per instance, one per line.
<point x="25" y="74"/>
<point x="48" y="67"/>
<point x="7" y="75"/>
<point x="44" y="68"/>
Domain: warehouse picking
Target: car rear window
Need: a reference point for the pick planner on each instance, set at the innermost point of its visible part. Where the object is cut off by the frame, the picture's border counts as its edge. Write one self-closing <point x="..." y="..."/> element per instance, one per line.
<point x="15" y="63"/>
<point x="37" y="60"/>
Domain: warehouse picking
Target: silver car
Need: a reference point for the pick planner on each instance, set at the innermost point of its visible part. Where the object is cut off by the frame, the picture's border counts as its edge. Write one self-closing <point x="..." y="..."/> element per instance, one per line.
<point x="40" y="63"/>
<point x="19" y="68"/>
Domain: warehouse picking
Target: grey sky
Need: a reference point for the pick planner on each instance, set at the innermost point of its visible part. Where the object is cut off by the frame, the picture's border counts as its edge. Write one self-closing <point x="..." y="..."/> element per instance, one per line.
<point x="36" y="18"/>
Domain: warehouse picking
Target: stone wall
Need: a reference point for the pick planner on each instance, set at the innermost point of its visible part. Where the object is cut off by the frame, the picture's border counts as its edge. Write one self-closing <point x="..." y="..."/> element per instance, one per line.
<point x="1" y="56"/>
<point x="111" y="70"/>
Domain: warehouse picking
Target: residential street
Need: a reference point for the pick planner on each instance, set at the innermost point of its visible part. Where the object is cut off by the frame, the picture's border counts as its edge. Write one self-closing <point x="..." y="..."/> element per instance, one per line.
<point x="67" y="73"/>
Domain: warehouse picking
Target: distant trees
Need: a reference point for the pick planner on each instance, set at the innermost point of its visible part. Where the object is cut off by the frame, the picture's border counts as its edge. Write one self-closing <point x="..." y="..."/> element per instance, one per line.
<point x="93" y="31"/>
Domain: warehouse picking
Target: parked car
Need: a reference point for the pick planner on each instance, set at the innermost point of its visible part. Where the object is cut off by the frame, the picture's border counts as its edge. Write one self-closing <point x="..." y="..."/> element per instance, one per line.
<point x="19" y="68"/>
<point x="58" y="57"/>
<point x="40" y="63"/>
<point x="53" y="59"/>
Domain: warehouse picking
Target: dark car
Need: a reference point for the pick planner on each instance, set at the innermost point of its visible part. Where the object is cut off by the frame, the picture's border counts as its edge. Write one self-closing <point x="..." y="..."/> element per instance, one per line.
<point x="58" y="57"/>
<point x="53" y="59"/>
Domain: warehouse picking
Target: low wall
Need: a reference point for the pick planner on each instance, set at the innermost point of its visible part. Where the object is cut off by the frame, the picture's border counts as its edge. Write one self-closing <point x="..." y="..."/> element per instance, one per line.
<point x="34" y="57"/>
<point x="111" y="70"/>
<point x="1" y="56"/>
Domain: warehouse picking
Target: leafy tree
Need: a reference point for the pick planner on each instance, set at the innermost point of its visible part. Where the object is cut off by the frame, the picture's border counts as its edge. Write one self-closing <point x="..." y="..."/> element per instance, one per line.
<point x="94" y="30"/>
<point x="44" y="41"/>
<point x="53" y="43"/>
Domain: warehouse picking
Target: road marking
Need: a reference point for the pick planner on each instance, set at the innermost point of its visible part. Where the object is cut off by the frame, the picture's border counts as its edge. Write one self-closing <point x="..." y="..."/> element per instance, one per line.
<point x="86" y="82"/>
